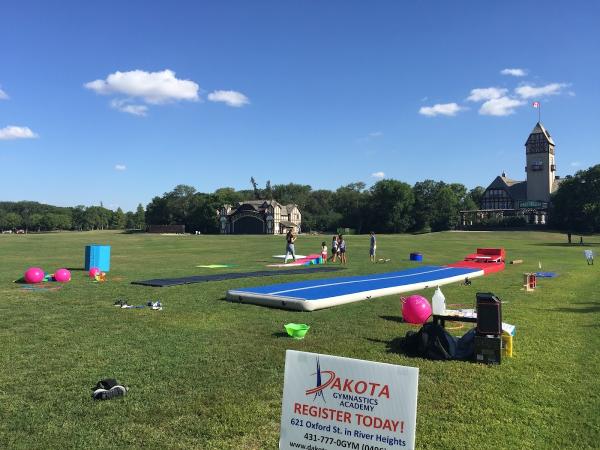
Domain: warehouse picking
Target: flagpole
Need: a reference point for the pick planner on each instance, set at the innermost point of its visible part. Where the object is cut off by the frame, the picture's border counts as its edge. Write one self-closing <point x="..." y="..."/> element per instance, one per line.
<point x="539" y="112"/>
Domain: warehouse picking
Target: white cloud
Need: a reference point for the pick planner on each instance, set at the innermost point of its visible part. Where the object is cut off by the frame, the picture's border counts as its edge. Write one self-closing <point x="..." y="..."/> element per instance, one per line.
<point x="152" y="87"/>
<point x="3" y="95"/>
<point x="125" y="106"/>
<point x="444" y="109"/>
<point x="575" y="164"/>
<point x="503" y="106"/>
<point x="514" y="72"/>
<point x="527" y="91"/>
<point x="379" y="175"/>
<point x="120" y="167"/>
<point x="230" y="98"/>
<point x="481" y="94"/>
<point x="376" y="134"/>
<point x="13" y="132"/>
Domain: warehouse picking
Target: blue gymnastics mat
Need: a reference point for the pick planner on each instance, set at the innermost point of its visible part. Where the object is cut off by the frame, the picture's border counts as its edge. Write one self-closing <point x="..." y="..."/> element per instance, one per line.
<point x="310" y="295"/>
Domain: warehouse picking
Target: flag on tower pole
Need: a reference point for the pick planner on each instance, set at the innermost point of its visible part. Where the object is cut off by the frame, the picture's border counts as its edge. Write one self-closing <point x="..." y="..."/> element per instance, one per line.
<point x="539" y="108"/>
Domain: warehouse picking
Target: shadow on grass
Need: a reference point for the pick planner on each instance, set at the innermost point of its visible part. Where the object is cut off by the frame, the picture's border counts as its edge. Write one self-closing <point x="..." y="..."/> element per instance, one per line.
<point x="77" y="269"/>
<point x="566" y="244"/>
<point x="397" y="319"/>
<point x="393" y="346"/>
<point x="590" y="309"/>
<point x="280" y="334"/>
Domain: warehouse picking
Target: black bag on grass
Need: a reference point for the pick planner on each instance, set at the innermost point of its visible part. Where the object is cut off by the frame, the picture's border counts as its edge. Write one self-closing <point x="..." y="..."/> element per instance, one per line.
<point x="432" y="341"/>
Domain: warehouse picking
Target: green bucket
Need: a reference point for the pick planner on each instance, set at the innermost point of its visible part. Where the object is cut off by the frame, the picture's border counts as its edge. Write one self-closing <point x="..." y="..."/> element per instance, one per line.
<point x="296" y="330"/>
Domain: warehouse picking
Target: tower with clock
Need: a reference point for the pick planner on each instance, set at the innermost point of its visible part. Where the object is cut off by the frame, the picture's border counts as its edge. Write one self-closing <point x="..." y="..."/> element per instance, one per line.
<point x="540" y="168"/>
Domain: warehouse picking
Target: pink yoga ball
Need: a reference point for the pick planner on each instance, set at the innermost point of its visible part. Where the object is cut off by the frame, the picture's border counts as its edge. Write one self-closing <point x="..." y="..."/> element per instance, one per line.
<point x="34" y="275"/>
<point x="93" y="272"/>
<point x="62" y="276"/>
<point x="415" y="309"/>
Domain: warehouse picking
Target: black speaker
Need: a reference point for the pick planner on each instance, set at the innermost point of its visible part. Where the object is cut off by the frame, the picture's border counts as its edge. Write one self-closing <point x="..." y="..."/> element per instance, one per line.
<point x="489" y="314"/>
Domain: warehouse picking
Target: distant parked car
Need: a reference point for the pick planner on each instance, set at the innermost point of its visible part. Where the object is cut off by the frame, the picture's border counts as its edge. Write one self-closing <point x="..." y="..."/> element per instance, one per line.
<point x="7" y="232"/>
<point x="20" y="231"/>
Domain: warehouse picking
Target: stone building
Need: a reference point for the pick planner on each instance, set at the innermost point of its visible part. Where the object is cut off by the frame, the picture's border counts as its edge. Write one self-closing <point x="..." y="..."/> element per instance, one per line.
<point x="528" y="199"/>
<point x="259" y="217"/>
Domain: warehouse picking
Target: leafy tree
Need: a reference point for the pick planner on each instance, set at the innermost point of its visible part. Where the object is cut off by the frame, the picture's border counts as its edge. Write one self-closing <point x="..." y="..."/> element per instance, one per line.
<point x="319" y="213"/>
<point x="575" y="206"/>
<point x="391" y="205"/>
<point x="203" y="217"/>
<point x="78" y="215"/>
<point x="228" y="196"/>
<point x="268" y="192"/>
<point x="446" y="207"/>
<point x="425" y="192"/>
<point x="11" y="221"/>
<point x="297" y="194"/>
<point x="130" y="222"/>
<point x="180" y="202"/>
<point x="36" y="221"/>
<point x="350" y="202"/>
<point x="64" y="221"/>
<point x="158" y="212"/>
<point x="139" y="218"/>
<point x="118" y="220"/>
<point x="476" y="196"/>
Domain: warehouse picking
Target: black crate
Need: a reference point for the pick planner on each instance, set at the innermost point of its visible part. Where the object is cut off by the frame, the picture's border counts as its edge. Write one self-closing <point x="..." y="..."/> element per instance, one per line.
<point x="488" y="349"/>
<point x="489" y="314"/>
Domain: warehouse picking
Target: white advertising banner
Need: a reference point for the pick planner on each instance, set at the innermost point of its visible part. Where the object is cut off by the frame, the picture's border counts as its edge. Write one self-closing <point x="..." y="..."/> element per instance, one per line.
<point x="331" y="402"/>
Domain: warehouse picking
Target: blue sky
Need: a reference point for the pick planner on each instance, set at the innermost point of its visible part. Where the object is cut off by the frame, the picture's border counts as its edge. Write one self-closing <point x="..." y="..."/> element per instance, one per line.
<point x="120" y="101"/>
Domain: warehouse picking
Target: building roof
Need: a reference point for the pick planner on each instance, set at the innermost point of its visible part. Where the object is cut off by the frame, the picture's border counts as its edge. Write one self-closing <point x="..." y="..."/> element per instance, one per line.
<point x="285" y="223"/>
<point x="539" y="128"/>
<point x="516" y="189"/>
<point x="261" y="205"/>
<point x="287" y="209"/>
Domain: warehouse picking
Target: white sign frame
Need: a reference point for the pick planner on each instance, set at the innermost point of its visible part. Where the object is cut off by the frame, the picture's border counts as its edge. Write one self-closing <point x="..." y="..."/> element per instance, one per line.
<point x="331" y="402"/>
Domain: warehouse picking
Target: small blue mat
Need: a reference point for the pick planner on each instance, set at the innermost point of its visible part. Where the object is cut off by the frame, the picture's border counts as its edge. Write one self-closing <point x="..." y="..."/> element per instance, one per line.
<point x="546" y="274"/>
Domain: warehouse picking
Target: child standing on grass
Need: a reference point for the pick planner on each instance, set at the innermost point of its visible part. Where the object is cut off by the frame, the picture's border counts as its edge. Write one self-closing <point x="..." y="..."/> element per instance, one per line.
<point x="324" y="252"/>
<point x="342" y="249"/>
<point x="290" y="238"/>
<point x="334" y="248"/>
<point x="373" y="247"/>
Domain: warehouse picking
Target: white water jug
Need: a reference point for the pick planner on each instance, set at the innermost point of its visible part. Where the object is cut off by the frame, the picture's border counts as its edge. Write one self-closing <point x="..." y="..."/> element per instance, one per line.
<point x="439" y="303"/>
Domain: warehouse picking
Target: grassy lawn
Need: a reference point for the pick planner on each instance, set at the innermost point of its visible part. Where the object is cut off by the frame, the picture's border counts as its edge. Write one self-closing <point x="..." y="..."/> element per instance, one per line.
<point x="206" y="373"/>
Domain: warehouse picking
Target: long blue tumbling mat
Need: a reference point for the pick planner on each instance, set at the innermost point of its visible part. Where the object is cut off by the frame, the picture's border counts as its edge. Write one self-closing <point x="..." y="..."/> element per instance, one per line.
<point x="310" y="295"/>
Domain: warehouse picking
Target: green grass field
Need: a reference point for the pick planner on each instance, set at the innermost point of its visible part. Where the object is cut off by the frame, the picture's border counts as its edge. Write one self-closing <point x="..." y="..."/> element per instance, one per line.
<point x="206" y="373"/>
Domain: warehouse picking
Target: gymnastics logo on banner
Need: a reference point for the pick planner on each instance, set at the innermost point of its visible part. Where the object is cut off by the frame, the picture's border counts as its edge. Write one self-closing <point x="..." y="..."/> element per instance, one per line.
<point x="331" y="402"/>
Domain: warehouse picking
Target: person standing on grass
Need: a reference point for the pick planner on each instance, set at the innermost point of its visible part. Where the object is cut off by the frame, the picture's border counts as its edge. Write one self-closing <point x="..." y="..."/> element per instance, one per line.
<point x="342" y="249"/>
<point x="290" y="238"/>
<point x="334" y="248"/>
<point x="373" y="247"/>
<point x="324" y="252"/>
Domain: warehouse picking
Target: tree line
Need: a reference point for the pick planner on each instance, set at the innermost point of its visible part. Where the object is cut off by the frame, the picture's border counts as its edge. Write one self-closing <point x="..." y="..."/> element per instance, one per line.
<point x="34" y="216"/>
<point x="389" y="206"/>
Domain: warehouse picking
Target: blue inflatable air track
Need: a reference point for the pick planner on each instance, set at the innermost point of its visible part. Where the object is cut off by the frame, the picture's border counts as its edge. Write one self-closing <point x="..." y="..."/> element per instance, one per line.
<point x="310" y="295"/>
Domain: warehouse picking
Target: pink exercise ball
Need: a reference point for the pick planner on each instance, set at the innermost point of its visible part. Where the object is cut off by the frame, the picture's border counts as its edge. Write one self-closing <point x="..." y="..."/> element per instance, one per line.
<point x="34" y="275"/>
<point x="62" y="276"/>
<point x="93" y="272"/>
<point x="415" y="309"/>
